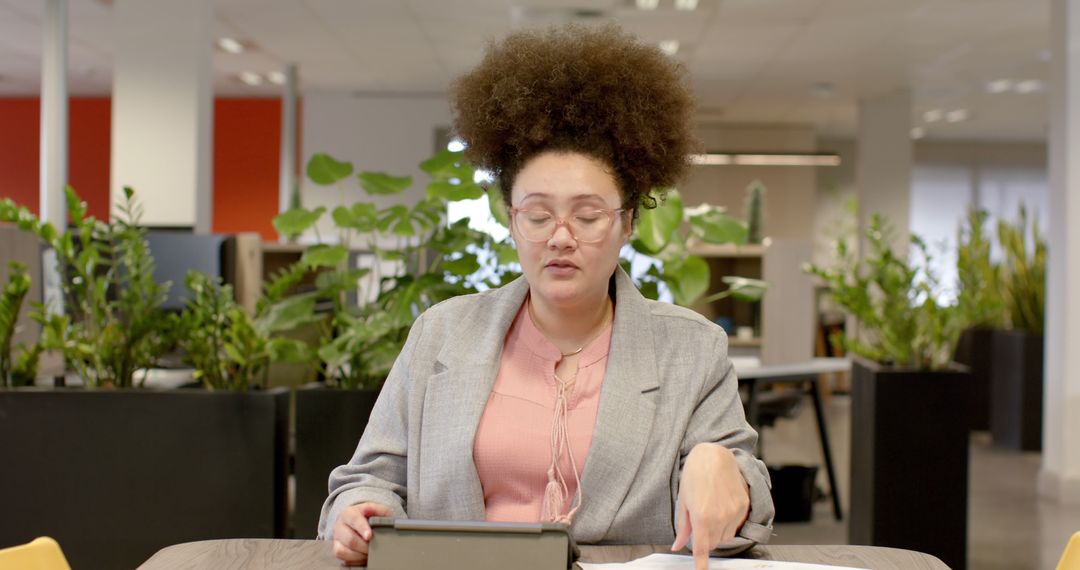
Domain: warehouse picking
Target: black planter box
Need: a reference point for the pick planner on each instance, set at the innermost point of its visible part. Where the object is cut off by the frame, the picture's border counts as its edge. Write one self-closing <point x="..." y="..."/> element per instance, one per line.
<point x="1016" y="390"/>
<point x="116" y="475"/>
<point x="909" y="460"/>
<point x="329" y="424"/>
<point x="976" y="351"/>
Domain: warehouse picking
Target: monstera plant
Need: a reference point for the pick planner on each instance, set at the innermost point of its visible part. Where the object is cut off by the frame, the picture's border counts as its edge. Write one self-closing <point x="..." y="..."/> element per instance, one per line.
<point x="663" y="234"/>
<point x="417" y="259"/>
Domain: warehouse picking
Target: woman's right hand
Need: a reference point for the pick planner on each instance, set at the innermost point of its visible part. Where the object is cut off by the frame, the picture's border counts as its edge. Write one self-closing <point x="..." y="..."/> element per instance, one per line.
<point x="352" y="533"/>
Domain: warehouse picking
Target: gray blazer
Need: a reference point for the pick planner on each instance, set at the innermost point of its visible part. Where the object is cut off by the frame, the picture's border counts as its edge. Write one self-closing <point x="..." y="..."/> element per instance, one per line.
<point x="668" y="386"/>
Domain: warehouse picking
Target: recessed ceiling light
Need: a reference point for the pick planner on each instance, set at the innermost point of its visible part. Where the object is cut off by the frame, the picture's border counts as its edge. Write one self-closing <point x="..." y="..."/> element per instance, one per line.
<point x="1029" y="86"/>
<point x="933" y="115"/>
<point x="647" y="4"/>
<point x="276" y="77"/>
<point x="686" y="5"/>
<point x="999" y="85"/>
<point x="957" y="115"/>
<point x="230" y="45"/>
<point x="455" y="145"/>
<point x="918" y="133"/>
<point x="670" y="47"/>
<point x="250" y="77"/>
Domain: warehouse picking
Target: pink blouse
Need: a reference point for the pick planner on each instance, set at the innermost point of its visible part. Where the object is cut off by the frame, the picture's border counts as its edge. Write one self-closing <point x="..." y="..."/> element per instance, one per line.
<point x="512" y="449"/>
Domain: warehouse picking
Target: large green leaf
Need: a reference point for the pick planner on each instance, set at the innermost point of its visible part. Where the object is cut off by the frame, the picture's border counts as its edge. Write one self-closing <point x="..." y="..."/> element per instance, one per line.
<point x="342" y="279"/>
<point x="497" y="206"/>
<point x="336" y="352"/>
<point x="656" y="225"/>
<point x="288" y="314"/>
<point x="397" y="220"/>
<point x="360" y="217"/>
<point x="325" y="170"/>
<point x="449" y="164"/>
<point x="452" y="192"/>
<point x="711" y="224"/>
<point x="688" y="281"/>
<point x="380" y="183"/>
<point x="288" y="350"/>
<point x="505" y="253"/>
<point x="297" y="221"/>
<point x="746" y="289"/>
<point x="324" y="255"/>
<point x="465" y="265"/>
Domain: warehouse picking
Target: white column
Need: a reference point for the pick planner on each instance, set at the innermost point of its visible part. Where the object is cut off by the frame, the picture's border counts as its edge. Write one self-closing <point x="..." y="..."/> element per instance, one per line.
<point x="883" y="163"/>
<point x="54" y="115"/>
<point x="1059" y="478"/>
<point x="288" y="140"/>
<point x="162" y="109"/>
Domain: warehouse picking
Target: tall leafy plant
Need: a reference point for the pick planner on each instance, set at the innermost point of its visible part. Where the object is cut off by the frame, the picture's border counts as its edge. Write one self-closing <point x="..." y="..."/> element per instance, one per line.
<point x="419" y="260"/>
<point x="231" y="350"/>
<point x="111" y="324"/>
<point x="978" y="278"/>
<point x="1023" y="275"/>
<point x="902" y="318"/>
<point x="18" y="364"/>
<point x="663" y="233"/>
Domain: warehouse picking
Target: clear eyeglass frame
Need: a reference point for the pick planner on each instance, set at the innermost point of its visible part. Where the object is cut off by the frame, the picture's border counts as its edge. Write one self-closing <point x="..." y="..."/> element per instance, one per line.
<point x="580" y="229"/>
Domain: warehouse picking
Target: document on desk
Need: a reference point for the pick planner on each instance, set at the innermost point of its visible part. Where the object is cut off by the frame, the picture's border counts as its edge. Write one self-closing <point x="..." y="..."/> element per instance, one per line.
<point x="661" y="561"/>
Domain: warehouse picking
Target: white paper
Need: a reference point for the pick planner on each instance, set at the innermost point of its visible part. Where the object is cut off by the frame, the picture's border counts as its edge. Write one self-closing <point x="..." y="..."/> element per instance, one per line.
<point x="660" y="561"/>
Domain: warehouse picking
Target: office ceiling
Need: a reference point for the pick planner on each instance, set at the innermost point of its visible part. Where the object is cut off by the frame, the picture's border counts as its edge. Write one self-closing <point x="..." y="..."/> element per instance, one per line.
<point x="759" y="61"/>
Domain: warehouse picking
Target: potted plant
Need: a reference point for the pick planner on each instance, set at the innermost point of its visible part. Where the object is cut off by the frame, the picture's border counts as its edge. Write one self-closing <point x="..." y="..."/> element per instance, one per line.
<point x="417" y="260"/>
<point x="1016" y="379"/>
<point x="909" y="411"/>
<point x="106" y="463"/>
<point x="664" y="234"/>
<point x="18" y="364"/>
<point x="981" y="307"/>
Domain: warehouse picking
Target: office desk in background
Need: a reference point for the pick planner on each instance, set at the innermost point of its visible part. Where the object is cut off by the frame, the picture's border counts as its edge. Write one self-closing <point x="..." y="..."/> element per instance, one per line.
<point x="801" y="374"/>
<point x="258" y="553"/>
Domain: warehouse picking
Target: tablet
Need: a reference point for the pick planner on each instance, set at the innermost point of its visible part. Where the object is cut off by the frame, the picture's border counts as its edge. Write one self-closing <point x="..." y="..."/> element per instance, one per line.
<point x="408" y="544"/>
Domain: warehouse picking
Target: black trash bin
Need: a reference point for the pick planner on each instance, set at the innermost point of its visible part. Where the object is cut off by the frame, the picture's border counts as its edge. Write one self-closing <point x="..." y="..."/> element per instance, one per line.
<point x="793" y="489"/>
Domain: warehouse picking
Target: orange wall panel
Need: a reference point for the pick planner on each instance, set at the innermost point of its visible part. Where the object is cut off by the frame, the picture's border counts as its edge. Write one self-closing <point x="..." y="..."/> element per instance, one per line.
<point x="88" y="151"/>
<point x="19" y="142"/>
<point x="89" y="143"/>
<point x="247" y="139"/>
<point x="247" y="147"/>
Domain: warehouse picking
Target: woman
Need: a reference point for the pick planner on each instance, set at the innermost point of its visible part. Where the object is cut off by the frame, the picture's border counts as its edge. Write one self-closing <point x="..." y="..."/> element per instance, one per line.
<point x="565" y="396"/>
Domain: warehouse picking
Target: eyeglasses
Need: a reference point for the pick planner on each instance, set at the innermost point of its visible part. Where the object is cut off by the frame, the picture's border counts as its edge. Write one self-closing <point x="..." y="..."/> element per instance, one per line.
<point x="585" y="226"/>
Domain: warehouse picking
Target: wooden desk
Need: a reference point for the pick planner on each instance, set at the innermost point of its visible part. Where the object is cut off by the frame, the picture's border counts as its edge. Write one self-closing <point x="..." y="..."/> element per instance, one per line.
<point x="802" y="373"/>
<point x="253" y="554"/>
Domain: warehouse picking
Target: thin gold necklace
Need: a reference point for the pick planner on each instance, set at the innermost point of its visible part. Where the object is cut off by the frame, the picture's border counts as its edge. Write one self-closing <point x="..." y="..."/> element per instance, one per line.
<point x="603" y="325"/>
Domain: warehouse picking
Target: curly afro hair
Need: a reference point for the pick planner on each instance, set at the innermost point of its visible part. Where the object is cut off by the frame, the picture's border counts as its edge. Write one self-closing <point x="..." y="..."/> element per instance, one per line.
<point x="596" y="91"/>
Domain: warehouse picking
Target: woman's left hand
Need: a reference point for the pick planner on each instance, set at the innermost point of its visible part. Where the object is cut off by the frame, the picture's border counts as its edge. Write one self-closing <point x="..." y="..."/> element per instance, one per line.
<point x="714" y="501"/>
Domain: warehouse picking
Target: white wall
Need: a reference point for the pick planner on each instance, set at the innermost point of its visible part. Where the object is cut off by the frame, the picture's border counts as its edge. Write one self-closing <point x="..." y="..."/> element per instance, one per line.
<point x="162" y="109"/>
<point x="946" y="177"/>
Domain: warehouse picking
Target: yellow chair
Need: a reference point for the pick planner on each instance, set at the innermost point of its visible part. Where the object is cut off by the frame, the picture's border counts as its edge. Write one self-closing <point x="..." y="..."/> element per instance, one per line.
<point x="1070" y="559"/>
<point x="40" y="554"/>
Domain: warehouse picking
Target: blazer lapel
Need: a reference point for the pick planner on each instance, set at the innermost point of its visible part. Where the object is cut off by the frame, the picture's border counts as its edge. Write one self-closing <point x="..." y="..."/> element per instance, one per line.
<point x="625" y="416"/>
<point x="454" y="400"/>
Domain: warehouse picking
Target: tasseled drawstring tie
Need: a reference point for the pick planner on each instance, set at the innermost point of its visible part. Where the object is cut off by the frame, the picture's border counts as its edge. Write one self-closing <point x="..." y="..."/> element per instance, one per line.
<point x="556" y="490"/>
